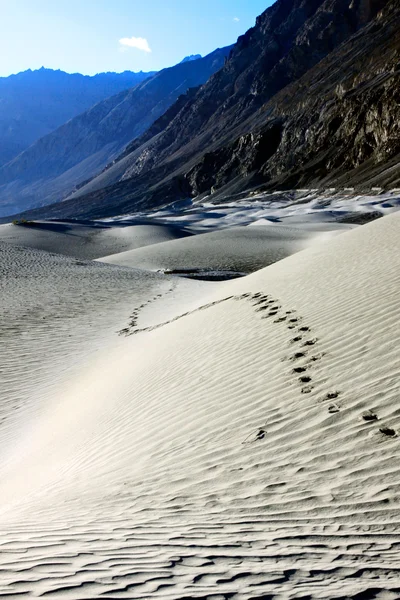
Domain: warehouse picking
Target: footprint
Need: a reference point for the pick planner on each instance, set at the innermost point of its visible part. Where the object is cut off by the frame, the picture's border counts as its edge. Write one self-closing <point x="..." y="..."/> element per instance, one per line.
<point x="262" y="308"/>
<point x="255" y="436"/>
<point x="368" y="415"/>
<point x="307" y="389"/>
<point x="331" y="395"/>
<point x="310" y="342"/>
<point x="387" y="431"/>
<point x="296" y="339"/>
<point x="305" y="379"/>
<point x="299" y="370"/>
<point x="298" y="355"/>
<point x="317" y="357"/>
<point x="304" y="329"/>
<point x="280" y="320"/>
<point x="333" y="409"/>
<point x="292" y="327"/>
<point x="260" y="435"/>
<point x="294" y="320"/>
<point x="243" y="296"/>
<point x="262" y="298"/>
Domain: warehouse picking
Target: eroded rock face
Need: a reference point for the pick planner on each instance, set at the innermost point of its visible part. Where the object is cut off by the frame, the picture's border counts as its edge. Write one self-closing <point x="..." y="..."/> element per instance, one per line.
<point x="246" y="155"/>
<point x="338" y="124"/>
<point x="289" y="38"/>
<point x="349" y="129"/>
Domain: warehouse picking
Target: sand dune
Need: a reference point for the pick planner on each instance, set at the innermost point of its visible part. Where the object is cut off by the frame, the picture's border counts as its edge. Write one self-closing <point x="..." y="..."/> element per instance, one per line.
<point x="240" y="249"/>
<point x="236" y="440"/>
<point x="54" y="311"/>
<point x="88" y="240"/>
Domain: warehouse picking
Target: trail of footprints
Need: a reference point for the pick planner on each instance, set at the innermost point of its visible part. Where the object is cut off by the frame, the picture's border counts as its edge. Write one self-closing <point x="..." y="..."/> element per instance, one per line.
<point x="132" y="328"/>
<point x="132" y="325"/>
<point x="304" y="347"/>
<point x="302" y="342"/>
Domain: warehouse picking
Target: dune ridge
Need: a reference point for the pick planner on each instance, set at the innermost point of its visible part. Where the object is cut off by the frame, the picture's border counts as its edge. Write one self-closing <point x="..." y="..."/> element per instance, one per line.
<point x="241" y="444"/>
<point x="88" y="240"/>
<point x="241" y="249"/>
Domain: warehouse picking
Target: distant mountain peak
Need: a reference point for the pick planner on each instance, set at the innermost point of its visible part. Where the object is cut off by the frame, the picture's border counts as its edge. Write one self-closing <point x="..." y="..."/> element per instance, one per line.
<point x="113" y="122"/>
<point x="36" y="102"/>
<point x="190" y="58"/>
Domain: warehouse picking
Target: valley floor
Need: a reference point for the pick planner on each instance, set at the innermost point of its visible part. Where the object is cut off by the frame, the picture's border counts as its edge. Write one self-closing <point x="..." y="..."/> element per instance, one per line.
<point x="176" y="439"/>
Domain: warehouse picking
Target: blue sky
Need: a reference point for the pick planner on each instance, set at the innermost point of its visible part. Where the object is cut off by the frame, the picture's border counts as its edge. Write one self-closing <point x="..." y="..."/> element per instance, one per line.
<point x="90" y="36"/>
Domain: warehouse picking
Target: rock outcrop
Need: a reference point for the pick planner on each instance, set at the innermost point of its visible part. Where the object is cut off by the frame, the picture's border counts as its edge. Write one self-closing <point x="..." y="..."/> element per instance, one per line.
<point x="338" y="125"/>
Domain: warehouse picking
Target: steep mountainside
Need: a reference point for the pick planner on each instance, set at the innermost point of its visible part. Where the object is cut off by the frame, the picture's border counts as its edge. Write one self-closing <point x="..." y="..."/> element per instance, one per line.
<point x="337" y="125"/>
<point x="34" y="103"/>
<point x="83" y="146"/>
<point x="309" y="96"/>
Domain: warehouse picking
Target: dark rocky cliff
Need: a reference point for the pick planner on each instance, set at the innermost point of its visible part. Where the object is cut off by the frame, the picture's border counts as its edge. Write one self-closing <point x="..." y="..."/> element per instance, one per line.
<point x="339" y="124"/>
<point x="289" y="38"/>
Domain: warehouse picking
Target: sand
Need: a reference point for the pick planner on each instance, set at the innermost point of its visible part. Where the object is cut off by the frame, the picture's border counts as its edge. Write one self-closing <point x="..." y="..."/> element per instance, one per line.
<point x="88" y="240"/>
<point x="237" y="249"/>
<point x="224" y="445"/>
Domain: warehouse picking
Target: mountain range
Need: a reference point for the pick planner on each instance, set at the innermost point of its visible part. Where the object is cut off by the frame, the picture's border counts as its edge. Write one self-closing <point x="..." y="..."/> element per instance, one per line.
<point x="34" y="103"/>
<point x="80" y="148"/>
<point x="310" y="96"/>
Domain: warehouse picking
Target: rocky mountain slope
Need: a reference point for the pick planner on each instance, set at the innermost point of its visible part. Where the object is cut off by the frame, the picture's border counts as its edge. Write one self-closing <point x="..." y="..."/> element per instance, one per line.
<point x="83" y="146"/>
<point x="34" y="103"/>
<point x="309" y="96"/>
<point x="191" y="57"/>
<point x="338" y="125"/>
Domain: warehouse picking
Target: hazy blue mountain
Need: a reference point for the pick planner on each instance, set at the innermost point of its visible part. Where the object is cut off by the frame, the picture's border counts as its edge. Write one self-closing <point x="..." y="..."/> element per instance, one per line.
<point x="50" y="169"/>
<point x="34" y="103"/>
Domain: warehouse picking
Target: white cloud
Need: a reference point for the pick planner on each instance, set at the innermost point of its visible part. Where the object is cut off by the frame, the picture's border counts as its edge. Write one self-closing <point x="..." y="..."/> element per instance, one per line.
<point x="135" y="42"/>
<point x="236" y="19"/>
